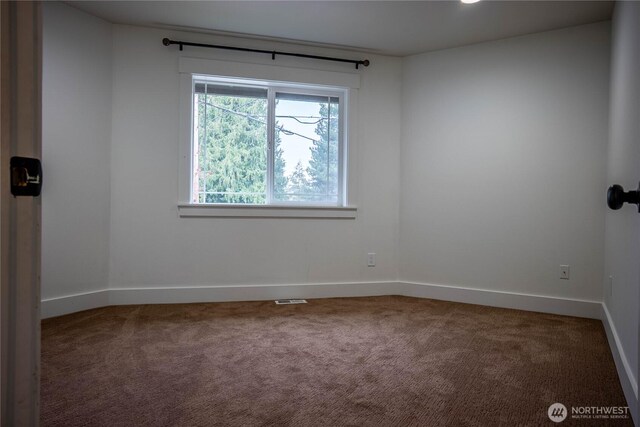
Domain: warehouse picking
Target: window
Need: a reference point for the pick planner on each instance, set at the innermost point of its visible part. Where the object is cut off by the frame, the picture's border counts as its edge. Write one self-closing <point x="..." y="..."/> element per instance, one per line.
<point x="265" y="144"/>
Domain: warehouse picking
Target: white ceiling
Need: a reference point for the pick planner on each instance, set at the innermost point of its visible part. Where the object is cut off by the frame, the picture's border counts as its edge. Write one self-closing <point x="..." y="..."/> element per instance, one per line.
<point x="386" y="27"/>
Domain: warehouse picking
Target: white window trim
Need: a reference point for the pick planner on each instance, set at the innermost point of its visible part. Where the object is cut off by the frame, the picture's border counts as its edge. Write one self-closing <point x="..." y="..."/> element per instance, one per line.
<point x="273" y="74"/>
<point x="265" y="211"/>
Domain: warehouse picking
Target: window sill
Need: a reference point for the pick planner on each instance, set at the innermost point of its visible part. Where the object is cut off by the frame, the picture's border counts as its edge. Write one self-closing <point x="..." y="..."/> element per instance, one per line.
<point x="259" y="211"/>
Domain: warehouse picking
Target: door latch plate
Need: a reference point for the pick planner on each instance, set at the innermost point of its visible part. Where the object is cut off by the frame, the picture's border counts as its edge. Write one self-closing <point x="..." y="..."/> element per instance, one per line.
<point x="26" y="176"/>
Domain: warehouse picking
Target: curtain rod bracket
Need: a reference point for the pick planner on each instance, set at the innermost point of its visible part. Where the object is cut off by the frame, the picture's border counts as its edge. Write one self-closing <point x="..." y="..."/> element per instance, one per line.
<point x="168" y="42"/>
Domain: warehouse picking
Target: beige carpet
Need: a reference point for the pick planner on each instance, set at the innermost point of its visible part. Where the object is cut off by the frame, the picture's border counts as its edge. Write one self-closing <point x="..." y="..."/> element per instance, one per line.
<point x="380" y="361"/>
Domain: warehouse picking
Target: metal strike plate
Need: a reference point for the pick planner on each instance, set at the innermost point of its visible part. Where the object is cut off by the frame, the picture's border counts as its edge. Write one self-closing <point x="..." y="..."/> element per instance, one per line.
<point x="26" y="176"/>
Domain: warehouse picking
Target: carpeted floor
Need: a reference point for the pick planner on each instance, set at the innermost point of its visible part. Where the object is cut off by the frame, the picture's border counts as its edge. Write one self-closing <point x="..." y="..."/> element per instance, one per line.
<point x="379" y="361"/>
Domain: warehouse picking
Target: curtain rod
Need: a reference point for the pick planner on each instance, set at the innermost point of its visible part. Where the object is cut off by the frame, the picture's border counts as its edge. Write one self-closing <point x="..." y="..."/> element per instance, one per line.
<point x="273" y="53"/>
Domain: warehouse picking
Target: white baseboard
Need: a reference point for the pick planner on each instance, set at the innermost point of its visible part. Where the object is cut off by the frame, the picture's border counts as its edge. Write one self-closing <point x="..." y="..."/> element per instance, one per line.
<point x="542" y="304"/>
<point x="629" y="383"/>
<point x="187" y="294"/>
<point x="58" y="306"/>
<point x="168" y="295"/>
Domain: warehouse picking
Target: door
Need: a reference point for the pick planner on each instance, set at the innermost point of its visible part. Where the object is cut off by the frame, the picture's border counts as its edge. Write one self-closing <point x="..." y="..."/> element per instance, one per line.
<point x="20" y="124"/>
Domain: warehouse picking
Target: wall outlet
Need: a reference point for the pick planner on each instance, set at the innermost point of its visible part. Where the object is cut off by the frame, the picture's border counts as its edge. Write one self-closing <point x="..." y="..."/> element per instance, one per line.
<point x="564" y="272"/>
<point x="371" y="259"/>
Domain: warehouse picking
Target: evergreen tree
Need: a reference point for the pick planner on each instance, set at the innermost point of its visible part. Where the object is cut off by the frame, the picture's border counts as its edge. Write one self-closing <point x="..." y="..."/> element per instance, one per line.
<point x="298" y="184"/>
<point x="323" y="166"/>
<point x="280" y="179"/>
<point x="232" y="151"/>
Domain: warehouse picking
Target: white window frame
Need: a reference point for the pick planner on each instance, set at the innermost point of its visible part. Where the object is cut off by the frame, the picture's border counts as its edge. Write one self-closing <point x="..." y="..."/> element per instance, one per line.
<point x="325" y="83"/>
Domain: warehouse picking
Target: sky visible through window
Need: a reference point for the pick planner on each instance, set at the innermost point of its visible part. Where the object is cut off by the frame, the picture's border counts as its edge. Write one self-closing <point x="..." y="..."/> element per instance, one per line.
<point x="295" y="148"/>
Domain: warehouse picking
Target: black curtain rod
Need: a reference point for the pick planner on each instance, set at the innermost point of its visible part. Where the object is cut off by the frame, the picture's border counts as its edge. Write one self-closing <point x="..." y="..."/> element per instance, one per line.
<point x="273" y="53"/>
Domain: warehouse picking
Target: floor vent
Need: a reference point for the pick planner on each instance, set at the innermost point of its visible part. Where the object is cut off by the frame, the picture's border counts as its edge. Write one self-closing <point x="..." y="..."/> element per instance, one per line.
<point x="290" y="301"/>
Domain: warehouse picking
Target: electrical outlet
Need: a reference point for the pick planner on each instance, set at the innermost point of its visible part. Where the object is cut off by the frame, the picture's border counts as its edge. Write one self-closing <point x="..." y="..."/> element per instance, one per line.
<point x="564" y="272"/>
<point x="371" y="259"/>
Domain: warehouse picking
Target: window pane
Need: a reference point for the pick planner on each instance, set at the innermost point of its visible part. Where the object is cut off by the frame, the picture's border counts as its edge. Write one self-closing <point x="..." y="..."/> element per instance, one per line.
<point x="230" y="144"/>
<point x="306" y="143"/>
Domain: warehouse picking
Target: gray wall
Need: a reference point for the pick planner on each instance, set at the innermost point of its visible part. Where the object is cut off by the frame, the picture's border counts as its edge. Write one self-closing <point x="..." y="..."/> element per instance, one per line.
<point x="503" y="164"/>
<point x="76" y="137"/>
<point x="622" y="232"/>
<point x="152" y="246"/>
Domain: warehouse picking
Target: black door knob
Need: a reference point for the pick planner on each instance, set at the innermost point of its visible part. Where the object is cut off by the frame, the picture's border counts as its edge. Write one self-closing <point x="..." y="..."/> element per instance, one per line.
<point x="616" y="197"/>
